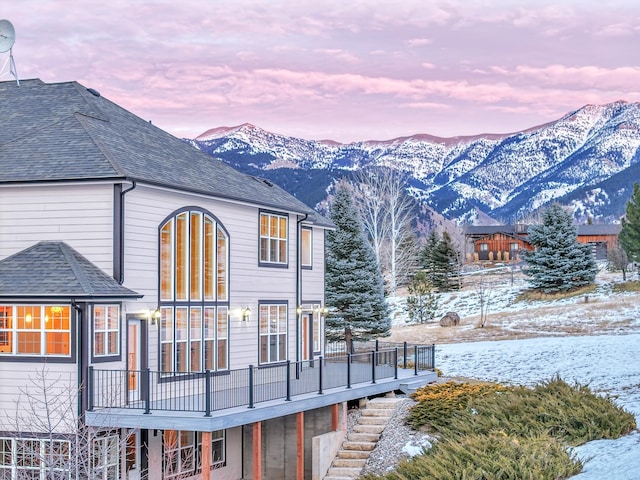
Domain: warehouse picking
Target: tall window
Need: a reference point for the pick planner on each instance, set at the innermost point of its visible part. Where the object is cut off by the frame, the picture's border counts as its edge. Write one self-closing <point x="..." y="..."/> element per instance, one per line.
<point x="273" y="332"/>
<point x="105" y="458"/>
<point x="35" y="330"/>
<point x="182" y="452"/>
<point x="194" y="289"/>
<point x="306" y="242"/>
<point x="35" y="458"/>
<point x="106" y="330"/>
<point x="273" y="238"/>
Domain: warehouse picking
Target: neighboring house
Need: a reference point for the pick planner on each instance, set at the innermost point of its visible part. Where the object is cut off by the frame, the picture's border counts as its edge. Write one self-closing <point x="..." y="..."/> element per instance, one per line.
<point x="506" y="242"/>
<point x="178" y="302"/>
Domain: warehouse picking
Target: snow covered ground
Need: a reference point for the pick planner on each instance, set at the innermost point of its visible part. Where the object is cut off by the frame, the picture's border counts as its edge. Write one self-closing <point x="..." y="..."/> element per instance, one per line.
<point x="609" y="364"/>
<point x="593" y="340"/>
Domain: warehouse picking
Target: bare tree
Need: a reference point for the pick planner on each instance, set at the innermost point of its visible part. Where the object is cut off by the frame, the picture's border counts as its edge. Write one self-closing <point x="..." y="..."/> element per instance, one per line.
<point x="483" y="292"/>
<point x="387" y="211"/>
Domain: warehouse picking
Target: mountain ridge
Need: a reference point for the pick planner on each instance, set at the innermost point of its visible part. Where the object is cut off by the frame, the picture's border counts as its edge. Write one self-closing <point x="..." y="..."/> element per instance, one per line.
<point x="578" y="160"/>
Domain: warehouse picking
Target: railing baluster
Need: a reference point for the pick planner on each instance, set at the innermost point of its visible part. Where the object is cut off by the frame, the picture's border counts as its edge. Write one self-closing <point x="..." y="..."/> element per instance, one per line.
<point x="349" y="370"/>
<point x="395" y="364"/>
<point x="320" y="377"/>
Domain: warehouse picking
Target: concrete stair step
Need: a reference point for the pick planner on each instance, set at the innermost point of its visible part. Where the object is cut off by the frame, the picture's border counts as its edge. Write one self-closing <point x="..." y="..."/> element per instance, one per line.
<point x="344" y="472"/>
<point x="349" y="462"/>
<point x="384" y="402"/>
<point x="366" y="420"/>
<point x="377" y="412"/>
<point x="359" y="454"/>
<point x="363" y="437"/>
<point x="363" y="446"/>
<point x="368" y="428"/>
<point x="332" y="477"/>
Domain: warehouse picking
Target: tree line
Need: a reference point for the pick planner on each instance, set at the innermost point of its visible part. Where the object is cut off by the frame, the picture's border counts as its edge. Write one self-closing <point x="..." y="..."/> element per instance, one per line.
<point x="374" y="251"/>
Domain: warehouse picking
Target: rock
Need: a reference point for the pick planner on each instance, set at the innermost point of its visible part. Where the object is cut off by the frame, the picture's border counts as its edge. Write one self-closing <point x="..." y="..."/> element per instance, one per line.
<point x="450" y="319"/>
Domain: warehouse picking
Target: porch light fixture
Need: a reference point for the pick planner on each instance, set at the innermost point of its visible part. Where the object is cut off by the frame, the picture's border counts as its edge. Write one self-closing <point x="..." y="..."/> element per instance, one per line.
<point x="154" y="316"/>
<point x="246" y="314"/>
<point x="299" y="309"/>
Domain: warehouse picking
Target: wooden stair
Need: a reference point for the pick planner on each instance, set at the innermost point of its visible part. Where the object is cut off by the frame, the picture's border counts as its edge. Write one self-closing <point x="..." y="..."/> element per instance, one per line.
<point x="363" y="438"/>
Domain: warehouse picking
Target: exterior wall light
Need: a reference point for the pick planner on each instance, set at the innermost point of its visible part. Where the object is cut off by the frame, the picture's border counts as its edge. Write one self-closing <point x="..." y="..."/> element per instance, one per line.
<point x="246" y="314"/>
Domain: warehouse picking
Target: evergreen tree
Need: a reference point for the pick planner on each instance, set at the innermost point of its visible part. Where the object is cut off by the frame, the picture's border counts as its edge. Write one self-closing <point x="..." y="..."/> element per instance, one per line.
<point x="559" y="262"/>
<point x="426" y="254"/>
<point x="629" y="236"/>
<point x="445" y="265"/>
<point x="354" y="286"/>
<point x="422" y="302"/>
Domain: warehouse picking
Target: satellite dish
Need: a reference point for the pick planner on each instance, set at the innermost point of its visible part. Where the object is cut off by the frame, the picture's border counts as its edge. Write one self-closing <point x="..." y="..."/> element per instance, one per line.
<point x="7" y="35"/>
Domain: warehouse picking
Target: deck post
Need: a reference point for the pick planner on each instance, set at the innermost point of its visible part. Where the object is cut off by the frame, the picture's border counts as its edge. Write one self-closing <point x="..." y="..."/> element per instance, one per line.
<point x="205" y="456"/>
<point x="250" y="386"/>
<point x="288" y="399"/>
<point x="395" y="363"/>
<point x="207" y="394"/>
<point x="300" y="446"/>
<point x="373" y="366"/>
<point x="146" y="392"/>
<point x="90" y="389"/>
<point x="257" y="451"/>
<point x="334" y="417"/>
<point x="404" y="353"/>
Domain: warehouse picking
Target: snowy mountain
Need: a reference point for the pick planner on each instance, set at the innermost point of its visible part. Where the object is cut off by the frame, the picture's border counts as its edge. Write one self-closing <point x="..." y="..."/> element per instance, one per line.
<point x="588" y="159"/>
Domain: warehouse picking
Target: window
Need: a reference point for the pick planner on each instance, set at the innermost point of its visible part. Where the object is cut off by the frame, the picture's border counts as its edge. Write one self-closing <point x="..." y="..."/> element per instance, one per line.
<point x="484" y="247"/>
<point x="106" y="330"/>
<point x="182" y="450"/>
<point x="513" y="246"/>
<point x="273" y="333"/>
<point x="105" y="458"/>
<point x="35" y="458"/>
<point x="273" y="238"/>
<point x="306" y="251"/>
<point x="35" y="330"/>
<point x="194" y="289"/>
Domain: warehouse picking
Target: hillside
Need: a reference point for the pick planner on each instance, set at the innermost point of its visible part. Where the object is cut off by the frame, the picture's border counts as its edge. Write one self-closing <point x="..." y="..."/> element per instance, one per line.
<point x="588" y="159"/>
<point x="600" y="312"/>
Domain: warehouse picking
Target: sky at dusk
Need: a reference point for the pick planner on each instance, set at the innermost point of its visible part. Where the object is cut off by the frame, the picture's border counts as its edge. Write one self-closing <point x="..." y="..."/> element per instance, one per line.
<point x="336" y="69"/>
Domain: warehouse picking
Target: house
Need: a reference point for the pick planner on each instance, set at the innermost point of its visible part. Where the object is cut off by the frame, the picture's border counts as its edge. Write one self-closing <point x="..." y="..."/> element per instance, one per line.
<point x="161" y="314"/>
<point x="507" y="242"/>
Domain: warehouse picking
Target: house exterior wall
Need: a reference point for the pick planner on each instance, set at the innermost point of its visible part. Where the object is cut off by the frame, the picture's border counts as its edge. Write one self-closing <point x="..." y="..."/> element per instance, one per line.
<point x="146" y="208"/>
<point x="79" y="214"/>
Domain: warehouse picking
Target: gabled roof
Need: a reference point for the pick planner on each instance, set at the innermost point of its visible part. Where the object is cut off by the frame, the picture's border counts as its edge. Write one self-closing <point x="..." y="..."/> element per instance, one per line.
<point x="66" y="132"/>
<point x="55" y="270"/>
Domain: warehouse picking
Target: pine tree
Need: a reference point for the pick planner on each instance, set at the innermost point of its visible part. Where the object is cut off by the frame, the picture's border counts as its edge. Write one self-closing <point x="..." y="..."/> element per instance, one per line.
<point x="422" y="302"/>
<point x="354" y="287"/>
<point x="445" y="265"/>
<point x="559" y="262"/>
<point x="629" y="236"/>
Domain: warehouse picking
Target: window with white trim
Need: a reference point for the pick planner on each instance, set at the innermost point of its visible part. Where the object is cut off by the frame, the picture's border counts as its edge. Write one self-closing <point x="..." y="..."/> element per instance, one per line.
<point x="182" y="451"/>
<point x="513" y="246"/>
<point x="306" y="247"/>
<point x="484" y="247"/>
<point x="273" y="332"/>
<point x="35" y="458"/>
<point x="106" y="330"/>
<point x="35" y="330"/>
<point x="105" y="457"/>
<point x="274" y="236"/>
<point x="194" y="293"/>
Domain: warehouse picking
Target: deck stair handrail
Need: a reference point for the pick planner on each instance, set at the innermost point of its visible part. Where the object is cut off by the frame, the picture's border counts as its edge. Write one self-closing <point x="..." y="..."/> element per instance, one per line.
<point x="211" y="391"/>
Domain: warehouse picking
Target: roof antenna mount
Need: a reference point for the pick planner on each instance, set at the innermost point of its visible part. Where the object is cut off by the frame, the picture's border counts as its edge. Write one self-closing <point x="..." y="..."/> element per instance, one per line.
<point x="7" y="39"/>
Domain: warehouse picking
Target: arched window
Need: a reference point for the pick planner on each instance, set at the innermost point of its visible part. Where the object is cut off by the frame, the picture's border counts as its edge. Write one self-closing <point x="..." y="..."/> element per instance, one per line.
<point x="194" y="293"/>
